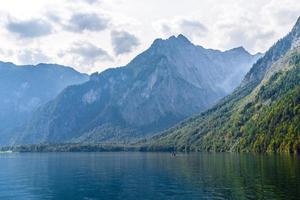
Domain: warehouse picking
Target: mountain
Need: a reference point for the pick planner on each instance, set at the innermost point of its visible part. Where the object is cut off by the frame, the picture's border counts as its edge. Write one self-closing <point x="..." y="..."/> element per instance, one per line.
<point x="261" y="115"/>
<point x="24" y="88"/>
<point x="170" y="81"/>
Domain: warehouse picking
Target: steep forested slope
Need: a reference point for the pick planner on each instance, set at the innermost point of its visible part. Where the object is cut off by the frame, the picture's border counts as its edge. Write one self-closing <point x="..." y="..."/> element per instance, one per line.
<point x="261" y="115"/>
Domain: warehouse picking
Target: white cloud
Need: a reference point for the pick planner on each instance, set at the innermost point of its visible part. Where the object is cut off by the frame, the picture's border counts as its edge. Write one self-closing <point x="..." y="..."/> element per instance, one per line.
<point x="254" y="24"/>
<point x="29" y="28"/>
<point x="188" y="26"/>
<point x="80" y="22"/>
<point x="89" y="51"/>
<point x="32" y="56"/>
<point x="87" y="1"/>
<point x="34" y="26"/>
<point x="123" y="42"/>
<point x="85" y="55"/>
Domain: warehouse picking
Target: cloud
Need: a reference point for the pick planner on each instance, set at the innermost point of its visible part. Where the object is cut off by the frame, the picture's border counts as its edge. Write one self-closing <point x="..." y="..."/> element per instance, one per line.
<point x="192" y="27"/>
<point x="238" y="36"/>
<point x="6" y="52"/>
<point x="283" y="13"/>
<point x="123" y="42"/>
<point x="244" y="32"/>
<point x="90" y="1"/>
<point x="87" y="22"/>
<point x="225" y="32"/>
<point x="32" y="56"/>
<point x="29" y="28"/>
<point x="181" y="25"/>
<point x="85" y="56"/>
<point x="87" y="53"/>
<point x="53" y="17"/>
<point x="254" y="24"/>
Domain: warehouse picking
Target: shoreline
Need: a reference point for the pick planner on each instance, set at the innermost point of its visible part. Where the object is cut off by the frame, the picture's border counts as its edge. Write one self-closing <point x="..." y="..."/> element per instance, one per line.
<point x="93" y="148"/>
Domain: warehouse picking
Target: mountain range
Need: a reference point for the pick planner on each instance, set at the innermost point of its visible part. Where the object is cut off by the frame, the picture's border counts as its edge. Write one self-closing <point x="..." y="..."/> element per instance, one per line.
<point x="261" y="115"/>
<point x="24" y="88"/>
<point x="165" y="84"/>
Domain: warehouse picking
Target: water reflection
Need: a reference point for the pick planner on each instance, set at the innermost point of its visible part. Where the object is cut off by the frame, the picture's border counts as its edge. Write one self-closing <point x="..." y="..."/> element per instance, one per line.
<point x="148" y="176"/>
<point x="236" y="176"/>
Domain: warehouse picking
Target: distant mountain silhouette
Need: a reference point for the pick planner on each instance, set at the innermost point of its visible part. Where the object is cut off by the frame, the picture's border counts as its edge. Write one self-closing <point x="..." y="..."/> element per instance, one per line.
<point x="25" y="88"/>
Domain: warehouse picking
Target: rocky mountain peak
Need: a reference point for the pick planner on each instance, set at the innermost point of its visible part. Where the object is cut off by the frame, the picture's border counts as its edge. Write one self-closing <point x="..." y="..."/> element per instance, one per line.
<point x="240" y="49"/>
<point x="179" y="40"/>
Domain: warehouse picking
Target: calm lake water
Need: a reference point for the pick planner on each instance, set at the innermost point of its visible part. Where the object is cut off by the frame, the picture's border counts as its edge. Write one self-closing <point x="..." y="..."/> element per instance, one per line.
<point x="148" y="176"/>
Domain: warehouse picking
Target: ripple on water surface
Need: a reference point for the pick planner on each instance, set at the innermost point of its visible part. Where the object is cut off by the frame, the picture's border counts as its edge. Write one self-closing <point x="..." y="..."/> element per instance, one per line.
<point x="148" y="176"/>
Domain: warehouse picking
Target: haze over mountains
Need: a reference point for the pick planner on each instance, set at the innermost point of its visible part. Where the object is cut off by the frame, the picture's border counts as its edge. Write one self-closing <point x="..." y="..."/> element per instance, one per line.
<point x="262" y="115"/>
<point x="170" y="81"/>
<point x="25" y="88"/>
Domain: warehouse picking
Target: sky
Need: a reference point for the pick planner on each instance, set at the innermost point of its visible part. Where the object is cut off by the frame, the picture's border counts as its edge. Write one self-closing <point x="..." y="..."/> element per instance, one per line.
<point x="93" y="35"/>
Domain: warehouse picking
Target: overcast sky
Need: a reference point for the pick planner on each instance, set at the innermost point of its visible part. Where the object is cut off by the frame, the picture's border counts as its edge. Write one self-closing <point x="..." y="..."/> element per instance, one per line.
<point x="92" y="35"/>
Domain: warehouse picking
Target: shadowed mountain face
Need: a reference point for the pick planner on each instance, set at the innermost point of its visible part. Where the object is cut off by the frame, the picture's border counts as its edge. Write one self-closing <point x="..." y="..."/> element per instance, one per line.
<point x="263" y="114"/>
<point x="170" y="81"/>
<point x="24" y="88"/>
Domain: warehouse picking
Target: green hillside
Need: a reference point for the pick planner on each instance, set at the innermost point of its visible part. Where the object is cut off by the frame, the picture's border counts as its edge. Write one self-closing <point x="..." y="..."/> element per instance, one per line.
<point x="262" y="115"/>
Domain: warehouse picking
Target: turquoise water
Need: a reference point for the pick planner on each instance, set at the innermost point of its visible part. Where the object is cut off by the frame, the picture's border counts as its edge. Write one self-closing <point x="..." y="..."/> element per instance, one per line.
<point x="148" y="176"/>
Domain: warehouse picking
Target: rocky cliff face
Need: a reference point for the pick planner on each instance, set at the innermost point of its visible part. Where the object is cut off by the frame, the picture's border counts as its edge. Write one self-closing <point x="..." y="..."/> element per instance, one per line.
<point x="170" y="81"/>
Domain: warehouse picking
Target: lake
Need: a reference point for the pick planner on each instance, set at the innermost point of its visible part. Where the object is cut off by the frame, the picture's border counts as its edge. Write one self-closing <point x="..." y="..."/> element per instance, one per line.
<point x="148" y="176"/>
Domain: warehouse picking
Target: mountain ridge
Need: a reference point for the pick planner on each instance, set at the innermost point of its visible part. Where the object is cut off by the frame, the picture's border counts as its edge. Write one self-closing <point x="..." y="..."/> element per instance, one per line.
<point x="261" y="115"/>
<point x="168" y="82"/>
<point x="23" y="88"/>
